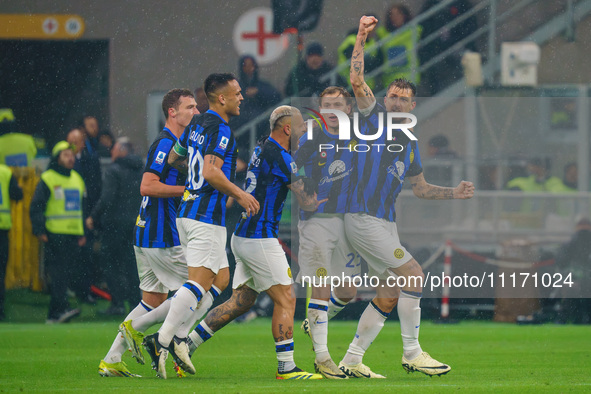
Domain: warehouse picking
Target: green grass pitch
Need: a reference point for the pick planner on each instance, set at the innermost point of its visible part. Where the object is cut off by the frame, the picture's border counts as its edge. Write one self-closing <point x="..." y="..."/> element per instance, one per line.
<point x="484" y="356"/>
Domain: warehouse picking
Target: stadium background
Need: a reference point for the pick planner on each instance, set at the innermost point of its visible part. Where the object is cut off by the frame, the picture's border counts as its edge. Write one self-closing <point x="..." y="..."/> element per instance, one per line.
<point x="154" y="45"/>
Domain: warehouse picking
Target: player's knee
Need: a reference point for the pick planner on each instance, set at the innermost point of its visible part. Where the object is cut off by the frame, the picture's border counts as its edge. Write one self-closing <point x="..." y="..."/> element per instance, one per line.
<point x="346" y="293"/>
<point x="153" y="299"/>
<point x="284" y="298"/>
<point x="244" y="298"/>
<point x="385" y="304"/>
<point x="222" y="279"/>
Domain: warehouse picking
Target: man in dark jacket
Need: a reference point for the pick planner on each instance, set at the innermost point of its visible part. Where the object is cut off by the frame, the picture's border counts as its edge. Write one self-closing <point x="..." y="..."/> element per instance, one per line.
<point x="258" y="93"/>
<point x="304" y="78"/>
<point x="448" y="70"/>
<point x="258" y="96"/>
<point x="115" y="213"/>
<point x="89" y="167"/>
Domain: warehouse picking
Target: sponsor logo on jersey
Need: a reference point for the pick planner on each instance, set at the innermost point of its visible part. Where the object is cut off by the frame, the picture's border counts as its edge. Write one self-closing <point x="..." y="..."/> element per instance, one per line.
<point x="139" y="222"/>
<point x="397" y="170"/>
<point x="160" y="157"/>
<point x="188" y="196"/>
<point x="337" y="170"/>
<point x="223" y="143"/>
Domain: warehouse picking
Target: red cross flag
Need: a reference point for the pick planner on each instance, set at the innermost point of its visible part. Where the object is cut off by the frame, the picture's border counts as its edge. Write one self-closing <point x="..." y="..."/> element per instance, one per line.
<point x="253" y="35"/>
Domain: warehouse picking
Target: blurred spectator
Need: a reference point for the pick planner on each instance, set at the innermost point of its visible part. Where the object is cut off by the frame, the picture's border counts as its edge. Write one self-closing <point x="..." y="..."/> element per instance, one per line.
<point x="304" y="78"/>
<point x="258" y="96"/>
<point x="9" y="190"/>
<point x="116" y="213"/>
<point x="373" y="58"/>
<point x="16" y="149"/>
<point x="401" y="44"/>
<point x="105" y="144"/>
<point x="488" y="176"/>
<point x="448" y="70"/>
<point x="574" y="259"/>
<point x="571" y="177"/>
<point x="439" y="147"/>
<point x="444" y="169"/>
<point x="57" y="220"/>
<point x="87" y="163"/>
<point x="89" y="125"/>
<point x="201" y="100"/>
<point x="539" y="179"/>
<point x="89" y="168"/>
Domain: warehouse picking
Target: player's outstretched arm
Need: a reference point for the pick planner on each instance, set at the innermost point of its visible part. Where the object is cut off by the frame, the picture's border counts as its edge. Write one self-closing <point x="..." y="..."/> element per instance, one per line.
<point x="363" y="93"/>
<point x="425" y="190"/>
<point x="177" y="161"/>
<point x="307" y="202"/>
<point x="213" y="174"/>
<point x="152" y="187"/>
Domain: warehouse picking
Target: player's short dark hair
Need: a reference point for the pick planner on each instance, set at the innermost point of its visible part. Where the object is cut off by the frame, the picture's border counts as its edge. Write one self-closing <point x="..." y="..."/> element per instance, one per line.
<point x="214" y="82"/>
<point x="172" y="99"/>
<point x="402" y="83"/>
<point x="335" y="89"/>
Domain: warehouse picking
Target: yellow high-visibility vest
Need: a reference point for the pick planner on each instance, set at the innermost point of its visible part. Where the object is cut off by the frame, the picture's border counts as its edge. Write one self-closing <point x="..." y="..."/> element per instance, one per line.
<point x="5" y="217"/>
<point x="401" y="43"/>
<point x="63" y="213"/>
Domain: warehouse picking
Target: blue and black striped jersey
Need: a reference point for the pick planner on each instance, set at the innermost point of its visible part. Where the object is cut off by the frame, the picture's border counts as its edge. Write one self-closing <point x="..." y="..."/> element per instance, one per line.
<point x="379" y="173"/>
<point x="207" y="134"/>
<point x="270" y="171"/>
<point x="155" y="226"/>
<point x="329" y="167"/>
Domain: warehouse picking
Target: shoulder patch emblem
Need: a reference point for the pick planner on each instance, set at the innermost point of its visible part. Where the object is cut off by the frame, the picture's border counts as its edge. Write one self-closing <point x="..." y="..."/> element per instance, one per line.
<point x="223" y="143"/>
<point x="160" y="157"/>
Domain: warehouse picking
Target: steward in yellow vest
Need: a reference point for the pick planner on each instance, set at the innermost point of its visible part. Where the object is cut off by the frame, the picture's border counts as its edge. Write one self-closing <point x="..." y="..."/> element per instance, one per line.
<point x="373" y="57"/>
<point x="16" y="149"/>
<point x="401" y="44"/>
<point x="9" y="190"/>
<point x="57" y="219"/>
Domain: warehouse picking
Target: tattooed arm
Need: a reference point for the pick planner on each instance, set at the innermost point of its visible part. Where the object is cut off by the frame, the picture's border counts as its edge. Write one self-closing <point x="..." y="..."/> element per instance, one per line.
<point x="177" y="161"/>
<point x="308" y="202"/>
<point x="363" y="93"/>
<point x="213" y="174"/>
<point x="425" y="190"/>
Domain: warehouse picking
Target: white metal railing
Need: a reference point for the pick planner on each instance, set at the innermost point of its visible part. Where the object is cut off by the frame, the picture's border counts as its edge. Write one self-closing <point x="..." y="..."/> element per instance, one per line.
<point x="491" y="216"/>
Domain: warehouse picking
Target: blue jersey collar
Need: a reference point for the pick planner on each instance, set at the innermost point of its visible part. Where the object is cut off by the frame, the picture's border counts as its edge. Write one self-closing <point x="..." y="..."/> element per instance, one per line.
<point x="171" y="134"/>
<point x="209" y="111"/>
<point x="278" y="144"/>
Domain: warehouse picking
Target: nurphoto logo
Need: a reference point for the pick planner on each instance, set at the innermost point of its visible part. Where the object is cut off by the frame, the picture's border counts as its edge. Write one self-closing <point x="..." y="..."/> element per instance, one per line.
<point x="387" y="123"/>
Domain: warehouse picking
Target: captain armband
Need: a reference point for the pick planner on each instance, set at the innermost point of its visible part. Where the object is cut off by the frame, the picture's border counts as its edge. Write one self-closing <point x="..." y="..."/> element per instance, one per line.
<point x="179" y="149"/>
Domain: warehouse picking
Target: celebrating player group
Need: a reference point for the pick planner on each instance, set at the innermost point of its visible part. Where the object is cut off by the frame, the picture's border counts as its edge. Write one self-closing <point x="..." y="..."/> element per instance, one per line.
<point x="346" y="199"/>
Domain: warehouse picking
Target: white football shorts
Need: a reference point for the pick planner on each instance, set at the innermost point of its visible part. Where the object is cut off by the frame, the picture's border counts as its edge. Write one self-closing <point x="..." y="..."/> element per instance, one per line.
<point x="376" y="240"/>
<point x="325" y="250"/>
<point x="204" y="244"/>
<point x="161" y="269"/>
<point x="260" y="263"/>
